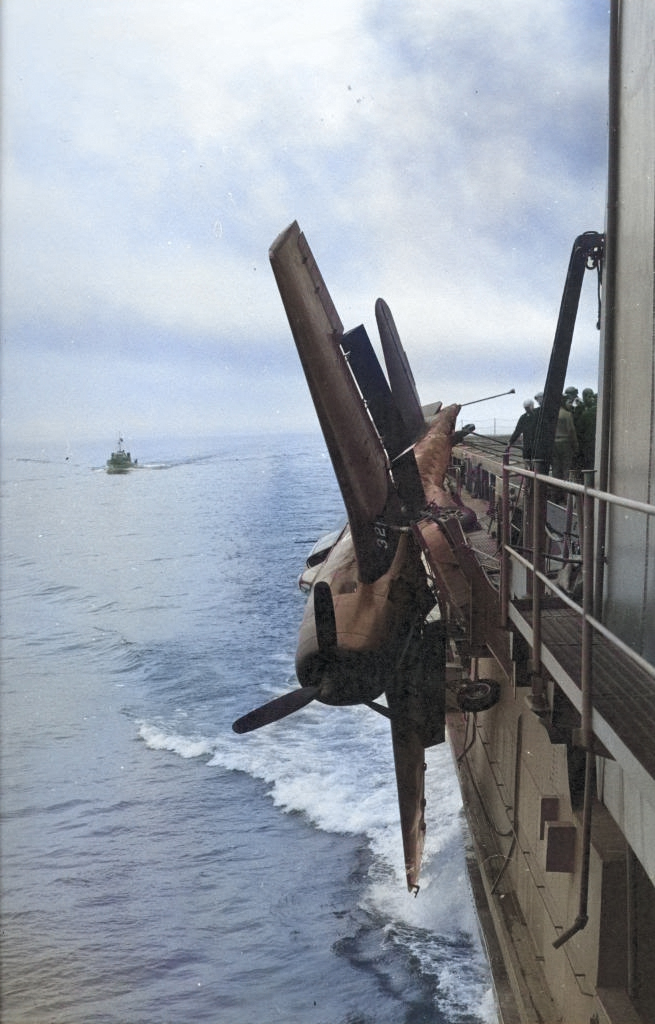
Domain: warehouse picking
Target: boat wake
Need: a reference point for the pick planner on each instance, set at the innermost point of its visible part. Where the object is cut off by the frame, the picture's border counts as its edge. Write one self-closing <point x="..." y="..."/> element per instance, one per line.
<point x="339" y="776"/>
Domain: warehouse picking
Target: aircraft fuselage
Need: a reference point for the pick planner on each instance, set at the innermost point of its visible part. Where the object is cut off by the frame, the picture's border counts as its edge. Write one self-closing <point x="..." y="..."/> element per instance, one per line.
<point x="373" y="620"/>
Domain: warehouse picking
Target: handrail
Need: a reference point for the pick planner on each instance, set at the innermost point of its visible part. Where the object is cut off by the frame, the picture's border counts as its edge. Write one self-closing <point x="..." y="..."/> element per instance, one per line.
<point x="589" y="623"/>
<point x="539" y="702"/>
<point x="640" y="662"/>
<point x="505" y="550"/>
<point x="508" y="553"/>
<point x="574" y="488"/>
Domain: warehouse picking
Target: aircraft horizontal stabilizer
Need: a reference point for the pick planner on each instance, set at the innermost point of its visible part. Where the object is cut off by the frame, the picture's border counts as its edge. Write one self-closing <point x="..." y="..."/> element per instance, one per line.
<point x="357" y="454"/>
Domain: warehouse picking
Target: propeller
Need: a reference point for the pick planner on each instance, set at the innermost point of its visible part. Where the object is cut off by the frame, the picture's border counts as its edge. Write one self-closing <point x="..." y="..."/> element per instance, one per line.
<point x="280" y="707"/>
<point x="276" y="709"/>
<point x="324" y="618"/>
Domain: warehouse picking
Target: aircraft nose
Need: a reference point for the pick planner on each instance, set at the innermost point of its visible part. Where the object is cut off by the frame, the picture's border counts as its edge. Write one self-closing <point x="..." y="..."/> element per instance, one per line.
<point x="347" y="677"/>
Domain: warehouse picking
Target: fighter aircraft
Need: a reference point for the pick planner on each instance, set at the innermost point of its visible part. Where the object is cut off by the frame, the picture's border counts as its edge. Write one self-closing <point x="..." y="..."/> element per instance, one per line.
<point x="370" y="629"/>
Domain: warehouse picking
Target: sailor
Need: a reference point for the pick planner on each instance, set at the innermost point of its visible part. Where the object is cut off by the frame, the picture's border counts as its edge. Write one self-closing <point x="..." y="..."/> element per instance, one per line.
<point x="584" y="416"/>
<point x="525" y="428"/>
<point x="566" y="442"/>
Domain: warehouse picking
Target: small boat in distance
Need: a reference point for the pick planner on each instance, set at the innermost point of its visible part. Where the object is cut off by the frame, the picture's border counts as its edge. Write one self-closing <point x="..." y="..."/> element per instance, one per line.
<point x="120" y="461"/>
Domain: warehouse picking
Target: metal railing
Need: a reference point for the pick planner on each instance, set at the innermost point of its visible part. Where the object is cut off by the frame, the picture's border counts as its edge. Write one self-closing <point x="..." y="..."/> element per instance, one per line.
<point x="588" y="610"/>
<point x="540" y="583"/>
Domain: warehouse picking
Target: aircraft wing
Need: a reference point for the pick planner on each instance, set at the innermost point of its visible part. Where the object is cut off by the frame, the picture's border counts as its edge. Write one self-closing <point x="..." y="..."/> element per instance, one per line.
<point x="401" y="378"/>
<point x="358" y="457"/>
<point x="396" y="437"/>
<point x="416" y="700"/>
<point x="377" y="394"/>
<point x="409" y="761"/>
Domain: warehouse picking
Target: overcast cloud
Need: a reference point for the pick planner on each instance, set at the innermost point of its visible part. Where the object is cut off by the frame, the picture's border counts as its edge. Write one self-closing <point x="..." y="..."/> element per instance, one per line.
<point x="441" y="155"/>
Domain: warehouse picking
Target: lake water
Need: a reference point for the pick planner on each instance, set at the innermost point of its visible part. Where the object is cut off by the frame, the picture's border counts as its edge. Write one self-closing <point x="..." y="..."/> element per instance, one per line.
<point x="156" y="867"/>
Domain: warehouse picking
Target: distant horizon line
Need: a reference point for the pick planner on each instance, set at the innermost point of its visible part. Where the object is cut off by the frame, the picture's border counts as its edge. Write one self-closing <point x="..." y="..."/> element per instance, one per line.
<point x="14" y="439"/>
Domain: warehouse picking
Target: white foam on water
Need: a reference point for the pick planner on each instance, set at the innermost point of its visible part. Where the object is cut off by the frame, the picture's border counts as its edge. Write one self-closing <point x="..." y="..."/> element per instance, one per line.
<point x="186" y="746"/>
<point x="335" y="766"/>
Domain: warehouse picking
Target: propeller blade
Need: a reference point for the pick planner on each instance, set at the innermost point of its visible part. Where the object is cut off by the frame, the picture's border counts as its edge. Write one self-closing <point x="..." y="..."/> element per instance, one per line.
<point x="276" y="709"/>
<point x="326" y="623"/>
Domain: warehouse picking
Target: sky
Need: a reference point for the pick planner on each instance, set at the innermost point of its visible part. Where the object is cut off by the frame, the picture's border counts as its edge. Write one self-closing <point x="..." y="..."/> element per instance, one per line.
<point x="441" y="155"/>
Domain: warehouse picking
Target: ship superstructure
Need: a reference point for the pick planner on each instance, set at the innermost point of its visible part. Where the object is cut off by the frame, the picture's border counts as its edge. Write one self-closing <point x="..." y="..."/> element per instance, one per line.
<point x="558" y="777"/>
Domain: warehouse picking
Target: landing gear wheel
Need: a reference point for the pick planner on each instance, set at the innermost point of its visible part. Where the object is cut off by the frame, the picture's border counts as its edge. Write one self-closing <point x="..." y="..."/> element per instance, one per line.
<point x="479" y="695"/>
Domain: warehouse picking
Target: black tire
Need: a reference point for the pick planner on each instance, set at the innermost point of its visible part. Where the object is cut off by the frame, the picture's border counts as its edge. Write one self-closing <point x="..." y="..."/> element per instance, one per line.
<point x="479" y="695"/>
